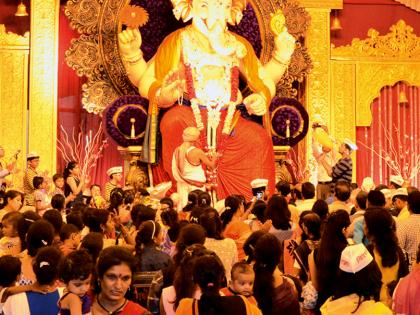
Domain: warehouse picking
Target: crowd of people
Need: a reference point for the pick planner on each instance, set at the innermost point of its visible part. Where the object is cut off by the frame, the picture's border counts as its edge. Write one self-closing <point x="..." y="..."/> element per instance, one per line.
<point x="62" y="251"/>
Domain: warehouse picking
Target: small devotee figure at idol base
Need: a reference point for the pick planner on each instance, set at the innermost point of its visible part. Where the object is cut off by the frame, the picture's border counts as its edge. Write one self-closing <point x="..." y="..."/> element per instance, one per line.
<point x="187" y="165"/>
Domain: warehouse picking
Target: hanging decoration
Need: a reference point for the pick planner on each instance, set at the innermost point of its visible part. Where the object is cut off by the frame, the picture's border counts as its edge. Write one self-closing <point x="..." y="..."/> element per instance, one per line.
<point x="84" y="147"/>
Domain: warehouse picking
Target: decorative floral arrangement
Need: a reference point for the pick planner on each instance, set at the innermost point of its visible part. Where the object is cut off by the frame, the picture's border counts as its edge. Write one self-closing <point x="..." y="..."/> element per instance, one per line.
<point x="85" y="148"/>
<point x="289" y="121"/>
<point x="118" y="119"/>
<point x="398" y="158"/>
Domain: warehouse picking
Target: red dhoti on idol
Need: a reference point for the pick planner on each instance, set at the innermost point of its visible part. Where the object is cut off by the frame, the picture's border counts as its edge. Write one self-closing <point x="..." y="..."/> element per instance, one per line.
<point x="246" y="154"/>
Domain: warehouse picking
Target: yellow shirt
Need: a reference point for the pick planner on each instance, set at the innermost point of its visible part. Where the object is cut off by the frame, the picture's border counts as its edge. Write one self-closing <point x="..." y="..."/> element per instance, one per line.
<point x="389" y="274"/>
<point x="348" y="304"/>
<point x="404" y="214"/>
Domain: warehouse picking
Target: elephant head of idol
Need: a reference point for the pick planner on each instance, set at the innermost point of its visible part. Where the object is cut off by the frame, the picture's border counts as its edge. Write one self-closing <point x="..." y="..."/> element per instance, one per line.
<point x="211" y="18"/>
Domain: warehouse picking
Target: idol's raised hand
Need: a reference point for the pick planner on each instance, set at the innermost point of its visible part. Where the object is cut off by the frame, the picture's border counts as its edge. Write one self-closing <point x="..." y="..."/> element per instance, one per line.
<point x="129" y="42"/>
<point x="255" y="104"/>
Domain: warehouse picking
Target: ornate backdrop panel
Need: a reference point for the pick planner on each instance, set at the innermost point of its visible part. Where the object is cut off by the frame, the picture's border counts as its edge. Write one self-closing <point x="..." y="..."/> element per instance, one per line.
<point x="391" y="144"/>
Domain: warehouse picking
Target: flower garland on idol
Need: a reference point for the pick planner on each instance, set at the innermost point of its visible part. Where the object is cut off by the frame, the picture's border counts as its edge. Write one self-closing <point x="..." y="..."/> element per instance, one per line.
<point x="213" y="116"/>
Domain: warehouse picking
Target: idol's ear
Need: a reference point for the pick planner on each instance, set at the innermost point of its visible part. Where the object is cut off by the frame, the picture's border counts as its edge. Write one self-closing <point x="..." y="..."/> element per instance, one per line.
<point x="182" y="9"/>
<point x="237" y="8"/>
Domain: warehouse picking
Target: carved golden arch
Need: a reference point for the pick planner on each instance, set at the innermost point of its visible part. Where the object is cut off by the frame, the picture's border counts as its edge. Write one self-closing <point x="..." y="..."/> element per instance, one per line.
<point x="373" y="63"/>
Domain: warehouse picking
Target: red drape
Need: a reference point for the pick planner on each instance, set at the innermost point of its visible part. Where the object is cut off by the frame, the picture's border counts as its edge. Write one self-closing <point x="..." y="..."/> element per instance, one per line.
<point x="394" y="132"/>
<point x="70" y="112"/>
<point x="245" y="155"/>
<point x="358" y="16"/>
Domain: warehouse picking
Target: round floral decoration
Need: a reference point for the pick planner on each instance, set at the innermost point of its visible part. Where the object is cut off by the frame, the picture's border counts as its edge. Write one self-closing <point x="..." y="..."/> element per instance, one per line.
<point x="124" y="113"/>
<point x="289" y="121"/>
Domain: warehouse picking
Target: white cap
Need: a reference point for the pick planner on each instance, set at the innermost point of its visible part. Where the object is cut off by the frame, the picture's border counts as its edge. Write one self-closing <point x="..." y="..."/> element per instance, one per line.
<point x="259" y="182"/>
<point x="387" y="192"/>
<point x="354" y="258"/>
<point x="367" y="184"/>
<point x="400" y="192"/>
<point x="114" y="170"/>
<point x="32" y="155"/>
<point x="159" y="191"/>
<point x="397" y="179"/>
<point x="351" y="144"/>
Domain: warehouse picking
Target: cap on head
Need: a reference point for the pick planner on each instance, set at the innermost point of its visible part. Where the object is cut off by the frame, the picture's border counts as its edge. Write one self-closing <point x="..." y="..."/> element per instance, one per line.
<point x="387" y="193"/>
<point x="32" y="155"/>
<point x="259" y="183"/>
<point x="114" y="170"/>
<point x="350" y="144"/>
<point x="400" y="192"/>
<point x="367" y="184"/>
<point x="354" y="258"/>
<point x="396" y="179"/>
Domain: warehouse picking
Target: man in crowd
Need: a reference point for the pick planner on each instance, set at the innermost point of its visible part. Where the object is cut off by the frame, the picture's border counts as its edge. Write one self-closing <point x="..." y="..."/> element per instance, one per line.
<point x="308" y="196"/>
<point x="115" y="177"/>
<point x="341" y="195"/>
<point x="31" y="171"/>
<point x="343" y="169"/>
<point x="395" y="181"/>
<point x="408" y="230"/>
<point x="322" y="152"/>
<point x="399" y="199"/>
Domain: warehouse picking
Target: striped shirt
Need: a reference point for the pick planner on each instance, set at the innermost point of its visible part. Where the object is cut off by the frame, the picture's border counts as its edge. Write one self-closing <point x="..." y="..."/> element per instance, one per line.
<point x="343" y="170"/>
<point x="28" y="186"/>
<point x="108" y="188"/>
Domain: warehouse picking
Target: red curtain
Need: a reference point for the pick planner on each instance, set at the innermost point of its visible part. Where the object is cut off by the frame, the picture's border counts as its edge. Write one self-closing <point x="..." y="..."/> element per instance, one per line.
<point x="394" y="134"/>
<point x="71" y="115"/>
<point x="358" y="16"/>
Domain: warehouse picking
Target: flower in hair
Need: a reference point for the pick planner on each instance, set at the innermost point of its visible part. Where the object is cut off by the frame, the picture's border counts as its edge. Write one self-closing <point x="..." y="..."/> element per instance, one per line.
<point x="44" y="242"/>
<point x="43" y="263"/>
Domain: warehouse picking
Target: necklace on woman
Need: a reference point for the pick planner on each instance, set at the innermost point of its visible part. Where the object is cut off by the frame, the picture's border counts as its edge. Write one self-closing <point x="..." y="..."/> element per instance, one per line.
<point x="119" y="309"/>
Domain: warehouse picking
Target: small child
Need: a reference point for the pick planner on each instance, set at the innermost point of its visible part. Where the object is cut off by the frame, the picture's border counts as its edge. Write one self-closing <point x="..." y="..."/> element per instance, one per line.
<point x="10" y="243"/>
<point x="70" y="237"/>
<point x="10" y="269"/>
<point x="97" y="200"/>
<point x="59" y="182"/>
<point x="76" y="271"/>
<point x="42" y="201"/>
<point x="242" y="282"/>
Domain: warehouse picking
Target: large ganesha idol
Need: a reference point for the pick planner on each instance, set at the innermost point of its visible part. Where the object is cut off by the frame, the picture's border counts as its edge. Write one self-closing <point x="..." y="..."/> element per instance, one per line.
<point x="194" y="76"/>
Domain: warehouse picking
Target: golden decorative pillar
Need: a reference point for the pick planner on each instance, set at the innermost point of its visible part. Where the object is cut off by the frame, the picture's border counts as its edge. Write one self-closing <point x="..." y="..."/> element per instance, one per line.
<point x="14" y="60"/>
<point x="318" y="42"/>
<point x="318" y="81"/>
<point x="42" y="131"/>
